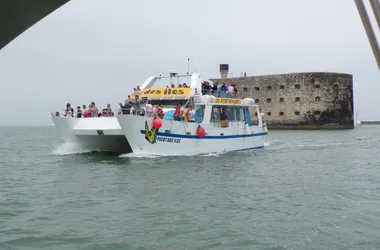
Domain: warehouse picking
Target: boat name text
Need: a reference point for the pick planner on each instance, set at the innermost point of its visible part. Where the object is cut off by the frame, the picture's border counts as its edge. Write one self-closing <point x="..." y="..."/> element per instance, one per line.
<point x="168" y="139"/>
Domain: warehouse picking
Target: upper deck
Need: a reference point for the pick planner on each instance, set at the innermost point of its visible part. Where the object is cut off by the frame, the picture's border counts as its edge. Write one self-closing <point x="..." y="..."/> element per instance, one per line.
<point x="191" y="95"/>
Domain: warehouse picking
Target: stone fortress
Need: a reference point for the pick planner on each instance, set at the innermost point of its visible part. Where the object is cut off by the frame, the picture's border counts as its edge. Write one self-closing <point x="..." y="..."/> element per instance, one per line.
<point x="310" y="100"/>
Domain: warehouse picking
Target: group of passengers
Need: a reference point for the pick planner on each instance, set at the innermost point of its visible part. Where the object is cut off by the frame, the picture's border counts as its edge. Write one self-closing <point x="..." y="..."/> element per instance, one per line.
<point x="91" y="111"/>
<point x="133" y="106"/>
<point x="219" y="90"/>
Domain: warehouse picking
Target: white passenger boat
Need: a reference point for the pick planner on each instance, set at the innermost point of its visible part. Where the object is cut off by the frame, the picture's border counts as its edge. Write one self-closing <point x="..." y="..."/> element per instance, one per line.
<point x="220" y="124"/>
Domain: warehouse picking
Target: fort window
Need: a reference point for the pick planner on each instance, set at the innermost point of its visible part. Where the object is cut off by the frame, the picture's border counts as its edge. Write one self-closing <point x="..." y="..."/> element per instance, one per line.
<point x="336" y="85"/>
<point x="281" y="99"/>
<point x="269" y="100"/>
<point x="317" y="113"/>
<point x="257" y="100"/>
<point x="312" y="80"/>
<point x="281" y="113"/>
<point x="269" y="87"/>
<point x="317" y="86"/>
<point x="257" y="88"/>
<point x="269" y="113"/>
<point x="297" y="99"/>
<point x="245" y="89"/>
<point x="282" y="87"/>
<point x="297" y="113"/>
<point x="317" y="99"/>
<point x="297" y="86"/>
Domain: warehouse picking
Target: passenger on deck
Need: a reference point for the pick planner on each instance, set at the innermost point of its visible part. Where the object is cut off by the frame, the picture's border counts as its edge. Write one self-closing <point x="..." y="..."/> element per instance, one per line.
<point x="215" y="88"/>
<point x="181" y="112"/>
<point x="261" y="114"/>
<point x="109" y="110"/>
<point x="190" y="114"/>
<point x="206" y="88"/>
<point x="126" y="108"/>
<point x="159" y="111"/>
<point x="69" y="110"/>
<point x="84" y="110"/>
<point x="94" y="110"/>
<point x="148" y="109"/>
<point x="136" y="105"/>
<point x="79" y="112"/>
<point x="177" y="112"/>
<point x="223" y="118"/>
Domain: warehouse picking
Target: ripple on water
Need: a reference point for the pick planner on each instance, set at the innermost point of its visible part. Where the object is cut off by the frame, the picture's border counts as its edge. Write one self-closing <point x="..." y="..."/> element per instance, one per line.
<point x="304" y="190"/>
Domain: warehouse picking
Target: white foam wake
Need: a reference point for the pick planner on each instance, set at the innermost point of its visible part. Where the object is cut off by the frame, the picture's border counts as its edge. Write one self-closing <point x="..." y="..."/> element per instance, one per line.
<point x="69" y="149"/>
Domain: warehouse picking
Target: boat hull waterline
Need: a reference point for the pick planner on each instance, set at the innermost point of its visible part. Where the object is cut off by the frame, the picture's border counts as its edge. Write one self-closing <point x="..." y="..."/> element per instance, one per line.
<point x="179" y="138"/>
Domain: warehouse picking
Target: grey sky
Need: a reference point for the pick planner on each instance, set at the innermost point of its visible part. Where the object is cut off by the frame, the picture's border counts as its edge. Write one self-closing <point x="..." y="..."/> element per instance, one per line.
<point x="97" y="50"/>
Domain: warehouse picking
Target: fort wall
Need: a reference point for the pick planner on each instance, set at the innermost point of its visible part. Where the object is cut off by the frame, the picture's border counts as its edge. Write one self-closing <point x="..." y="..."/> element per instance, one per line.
<point x="315" y="100"/>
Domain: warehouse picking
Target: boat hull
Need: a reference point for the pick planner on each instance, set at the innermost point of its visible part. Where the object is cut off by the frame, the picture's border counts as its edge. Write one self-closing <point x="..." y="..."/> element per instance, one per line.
<point x="179" y="138"/>
<point x="101" y="134"/>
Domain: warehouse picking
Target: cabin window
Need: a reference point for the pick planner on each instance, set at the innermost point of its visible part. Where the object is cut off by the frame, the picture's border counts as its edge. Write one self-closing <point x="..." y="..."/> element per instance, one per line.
<point x="257" y="88"/>
<point x="199" y="113"/>
<point x="297" y="99"/>
<point x="257" y="100"/>
<point x="297" y="86"/>
<point x="281" y="99"/>
<point x="245" y="89"/>
<point x="317" y="98"/>
<point x="231" y="116"/>
<point x="215" y="114"/>
<point x="269" y="88"/>
<point x="297" y="113"/>
<point x="269" y="100"/>
<point x="281" y="113"/>
<point x="282" y="87"/>
<point x="269" y="113"/>
<point x="241" y="114"/>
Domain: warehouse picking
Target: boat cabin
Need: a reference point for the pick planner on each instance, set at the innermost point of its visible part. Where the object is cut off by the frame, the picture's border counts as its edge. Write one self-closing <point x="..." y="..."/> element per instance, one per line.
<point x="220" y="112"/>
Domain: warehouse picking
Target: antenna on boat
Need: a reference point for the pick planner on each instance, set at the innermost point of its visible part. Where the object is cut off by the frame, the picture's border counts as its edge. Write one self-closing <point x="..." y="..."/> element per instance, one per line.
<point x="188" y="65"/>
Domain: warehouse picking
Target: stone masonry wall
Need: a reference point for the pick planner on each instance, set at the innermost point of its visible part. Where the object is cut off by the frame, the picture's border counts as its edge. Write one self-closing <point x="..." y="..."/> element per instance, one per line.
<point x="303" y="100"/>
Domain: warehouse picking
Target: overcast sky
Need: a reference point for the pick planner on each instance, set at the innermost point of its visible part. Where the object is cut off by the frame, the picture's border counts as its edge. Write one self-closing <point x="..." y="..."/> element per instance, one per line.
<point x="97" y="50"/>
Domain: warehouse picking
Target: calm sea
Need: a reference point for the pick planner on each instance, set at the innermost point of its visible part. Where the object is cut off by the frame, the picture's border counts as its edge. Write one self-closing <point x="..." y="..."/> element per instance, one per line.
<point x="305" y="190"/>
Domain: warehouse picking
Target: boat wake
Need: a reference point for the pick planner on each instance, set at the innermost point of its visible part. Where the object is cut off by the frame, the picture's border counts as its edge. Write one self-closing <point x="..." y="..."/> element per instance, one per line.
<point x="71" y="149"/>
<point x="140" y="155"/>
<point x="148" y="155"/>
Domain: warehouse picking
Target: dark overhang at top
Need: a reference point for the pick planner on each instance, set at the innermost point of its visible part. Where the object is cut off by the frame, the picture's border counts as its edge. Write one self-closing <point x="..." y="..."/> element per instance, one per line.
<point x="16" y="16"/>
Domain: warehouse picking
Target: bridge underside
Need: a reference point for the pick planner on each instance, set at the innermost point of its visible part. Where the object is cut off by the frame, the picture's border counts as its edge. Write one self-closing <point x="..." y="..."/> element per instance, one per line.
<point x="19" y="15"/>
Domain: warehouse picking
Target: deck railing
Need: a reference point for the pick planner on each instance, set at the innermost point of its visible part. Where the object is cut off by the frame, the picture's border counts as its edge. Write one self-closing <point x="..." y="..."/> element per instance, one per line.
<point x="223" y="94"/>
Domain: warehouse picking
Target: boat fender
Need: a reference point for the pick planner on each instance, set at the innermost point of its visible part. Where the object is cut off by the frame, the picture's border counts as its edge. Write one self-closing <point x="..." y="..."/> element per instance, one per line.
<point x="157" y="123"/>
<point x="200" y="131"/>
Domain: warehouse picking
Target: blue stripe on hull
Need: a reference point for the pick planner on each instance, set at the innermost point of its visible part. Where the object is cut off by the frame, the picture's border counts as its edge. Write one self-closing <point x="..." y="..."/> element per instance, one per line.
<point x="205" y="137"/>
